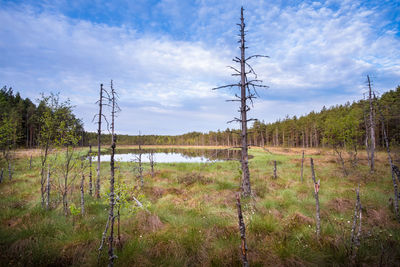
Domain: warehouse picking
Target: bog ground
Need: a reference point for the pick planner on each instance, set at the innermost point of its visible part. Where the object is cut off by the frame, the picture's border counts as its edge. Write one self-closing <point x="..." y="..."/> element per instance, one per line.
<point x="190" y="218"/>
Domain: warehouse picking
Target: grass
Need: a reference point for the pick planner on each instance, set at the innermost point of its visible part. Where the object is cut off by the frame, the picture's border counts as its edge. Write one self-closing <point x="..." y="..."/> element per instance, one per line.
<point x="191" y="217"/>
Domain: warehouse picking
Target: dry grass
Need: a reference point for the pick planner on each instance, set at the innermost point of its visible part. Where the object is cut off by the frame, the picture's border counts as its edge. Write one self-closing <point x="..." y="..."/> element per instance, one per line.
<point x="192" y="219"/>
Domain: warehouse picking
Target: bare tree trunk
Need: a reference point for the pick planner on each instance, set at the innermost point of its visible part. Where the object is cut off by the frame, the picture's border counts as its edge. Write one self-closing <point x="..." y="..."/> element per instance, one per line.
<point x="103" y="238"/>
<point x="151" y="159"/>
<point x="339" y="153"/>
<point x="69" y="165"/>
<point x="372" y="126"/>
<point x="48" y="188"/>
<point x="246" y="188"/>
<point x="140" y="169"/>
<point x="316" y="190"/>
<point x="1" y="175"/>
<point x="97" y="191"/>
<point x="275" y="176"/>
<point x="111" y="212"/>
<point x="112" y="179"/>
<point x="242" y="229"/>
<point x="90" y="171"/>
<point x="302" y="164"/>
<point x="247" y="92"/>
<point x="355" y="238"/>
<point x="42" y="172"/>
<point x="82" y="194"/>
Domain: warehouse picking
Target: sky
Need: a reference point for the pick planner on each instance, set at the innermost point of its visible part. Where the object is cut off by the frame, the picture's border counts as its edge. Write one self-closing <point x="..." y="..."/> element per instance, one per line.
<point x="165" y="56"/>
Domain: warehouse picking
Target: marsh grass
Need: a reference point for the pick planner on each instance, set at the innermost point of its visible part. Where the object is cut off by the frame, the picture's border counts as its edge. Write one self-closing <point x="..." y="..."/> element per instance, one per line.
<point x="192" y="220"/>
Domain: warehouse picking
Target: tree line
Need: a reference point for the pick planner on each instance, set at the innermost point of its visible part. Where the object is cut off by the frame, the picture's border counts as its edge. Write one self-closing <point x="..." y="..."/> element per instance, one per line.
<point x="344" y="125"/>
<point x="22" y="120"/>
<point x="341" y="125"/>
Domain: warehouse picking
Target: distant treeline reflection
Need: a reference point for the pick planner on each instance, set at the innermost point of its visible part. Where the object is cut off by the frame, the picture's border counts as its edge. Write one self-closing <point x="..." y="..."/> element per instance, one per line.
<point x="210" y="154"/>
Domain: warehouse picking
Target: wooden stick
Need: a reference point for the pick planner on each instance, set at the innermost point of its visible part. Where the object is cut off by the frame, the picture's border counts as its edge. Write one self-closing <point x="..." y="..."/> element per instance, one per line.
<point x="302" y="164"/>
<point x="316" y="190"/>
<point x="48" y="188"/>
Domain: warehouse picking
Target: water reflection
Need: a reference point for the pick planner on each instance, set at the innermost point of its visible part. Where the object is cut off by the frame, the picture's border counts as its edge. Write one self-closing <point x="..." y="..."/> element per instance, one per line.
<point x="169" y="155"/>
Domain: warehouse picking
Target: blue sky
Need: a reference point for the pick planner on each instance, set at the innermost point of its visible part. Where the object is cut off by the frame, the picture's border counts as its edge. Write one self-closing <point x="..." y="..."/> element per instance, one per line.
<point x="165" y="56"/>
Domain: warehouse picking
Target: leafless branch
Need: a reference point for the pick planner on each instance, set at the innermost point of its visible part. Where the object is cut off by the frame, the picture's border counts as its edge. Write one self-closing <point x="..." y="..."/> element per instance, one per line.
<point x="234" y="69"/>
<point x="225" y="86"/>
<point x="255" y="56"/>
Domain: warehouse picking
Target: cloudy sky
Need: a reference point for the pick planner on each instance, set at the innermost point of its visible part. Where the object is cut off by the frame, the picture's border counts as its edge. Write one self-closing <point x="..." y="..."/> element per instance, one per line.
<point x="165" y="56"/>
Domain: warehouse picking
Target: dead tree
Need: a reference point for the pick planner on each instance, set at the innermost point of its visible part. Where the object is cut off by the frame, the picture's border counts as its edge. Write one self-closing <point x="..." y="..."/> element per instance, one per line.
<point x="100" y="116"/>
<point x="138" y="168"/>
<point x="392" y="166"/>
<point x="355" y="237"/>
<point x="82" y="186"/>
<point x="341" y="160"/>
<point x="118" y="202"/>
<point x="302" y="165"/>
<point x="242" y="229"/>
<point x="90" y="171"/>
<point x="48" y="187"/>
<point x="1" y="175"/>
<point x="316" y="190"/>
<point x="10" y="169"/>
<point x="367" y="139"/>
<point x="247" y="93"/>
<point x="68" y="176"/>
<point x="372" y="127"/>
<point x="111" y="217"/>
<point x="275" y="176"/>
<point x="151" y="159"/>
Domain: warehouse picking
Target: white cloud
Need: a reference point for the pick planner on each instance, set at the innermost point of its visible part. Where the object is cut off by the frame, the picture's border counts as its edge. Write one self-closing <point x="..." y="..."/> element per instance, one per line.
<point x="318" y="55"/>
<point x="74" y="57"/>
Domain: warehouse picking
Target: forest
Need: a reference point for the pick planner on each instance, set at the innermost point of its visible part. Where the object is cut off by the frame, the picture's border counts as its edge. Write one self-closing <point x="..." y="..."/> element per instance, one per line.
<point x="311" y="130"/>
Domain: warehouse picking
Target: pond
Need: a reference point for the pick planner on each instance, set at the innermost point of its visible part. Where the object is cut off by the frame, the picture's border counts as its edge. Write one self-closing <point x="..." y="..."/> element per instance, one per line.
<point x="173" y="155"/>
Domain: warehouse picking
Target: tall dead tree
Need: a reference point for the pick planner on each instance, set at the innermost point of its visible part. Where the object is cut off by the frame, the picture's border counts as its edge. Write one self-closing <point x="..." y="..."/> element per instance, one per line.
<point x="100" y="116"/>
<point x="355" y="237"/>
<point x="247" y="93"/>
<point x="138" y="168"/>
<point x="111" y="217"/>
<point x="302" y="165"/>
<point x="371" y="127"/>
<point x="151" y="160"/>
<point x="90" y="171"/>
<point x="316" y="190"/>
<point x="82" y="169"/>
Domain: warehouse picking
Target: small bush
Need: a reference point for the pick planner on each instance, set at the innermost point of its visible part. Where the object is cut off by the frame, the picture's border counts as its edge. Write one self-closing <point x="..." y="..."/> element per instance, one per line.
<point x="193" y="177"/>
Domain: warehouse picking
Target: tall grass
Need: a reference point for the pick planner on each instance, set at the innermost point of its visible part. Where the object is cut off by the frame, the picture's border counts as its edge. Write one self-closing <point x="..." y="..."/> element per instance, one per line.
<point x="191" y="217"/>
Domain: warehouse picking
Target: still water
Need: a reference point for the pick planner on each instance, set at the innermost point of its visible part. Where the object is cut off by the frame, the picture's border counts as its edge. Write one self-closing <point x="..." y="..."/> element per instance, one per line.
<point x="173" y="155"/>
